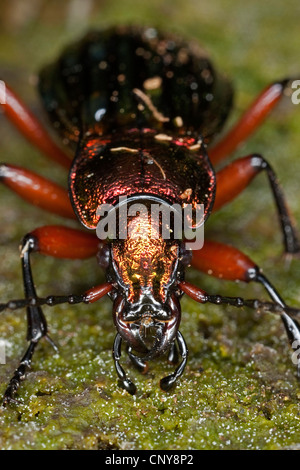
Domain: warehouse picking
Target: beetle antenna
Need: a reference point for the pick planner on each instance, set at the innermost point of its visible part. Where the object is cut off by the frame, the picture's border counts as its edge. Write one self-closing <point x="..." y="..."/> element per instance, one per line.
<point x="203" y="297"/>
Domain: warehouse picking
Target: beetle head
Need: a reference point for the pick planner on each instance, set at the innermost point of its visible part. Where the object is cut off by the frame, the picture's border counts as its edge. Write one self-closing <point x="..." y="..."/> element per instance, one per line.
<point x="147" y="326"/>
<point x="146" y="309"/>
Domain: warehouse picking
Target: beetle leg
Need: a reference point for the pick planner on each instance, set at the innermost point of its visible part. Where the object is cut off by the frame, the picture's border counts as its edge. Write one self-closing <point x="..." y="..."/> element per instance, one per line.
<point x="229" y="263"/>
<point x="249" y="121"/>
<point x="64" y="242"/>
<point x="235" y="177"/>
<point x="36" y="319"/>
<point x="22" y="118"/>
<point x="37" y="190"/>
<point x="54" y="241"/>
<point x="19" y="375"/>
<point x="58" y="242"/>
<point x="199" y="295"/>
<point x="92" y="295"/>
<point x="125" y="381"/>
<point x="167" y="382"/>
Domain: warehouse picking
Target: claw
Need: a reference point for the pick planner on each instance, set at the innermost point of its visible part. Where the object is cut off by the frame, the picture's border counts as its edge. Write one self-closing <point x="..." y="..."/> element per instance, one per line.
<point x="50" y="340"/>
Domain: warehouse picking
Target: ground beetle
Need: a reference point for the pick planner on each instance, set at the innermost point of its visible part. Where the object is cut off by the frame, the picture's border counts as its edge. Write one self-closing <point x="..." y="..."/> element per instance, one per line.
<point x="139" y="109"/>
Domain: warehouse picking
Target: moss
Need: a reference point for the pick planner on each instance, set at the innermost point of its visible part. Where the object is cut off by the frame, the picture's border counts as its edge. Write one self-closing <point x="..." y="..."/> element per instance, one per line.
<point x="239" y="390"/>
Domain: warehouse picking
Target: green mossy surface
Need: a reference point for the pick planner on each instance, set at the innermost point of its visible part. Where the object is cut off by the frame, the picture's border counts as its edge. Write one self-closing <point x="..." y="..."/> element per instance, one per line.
<point x="239" y="390"/>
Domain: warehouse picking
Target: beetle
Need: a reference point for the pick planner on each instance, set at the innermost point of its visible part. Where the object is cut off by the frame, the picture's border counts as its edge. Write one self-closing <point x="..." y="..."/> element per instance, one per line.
<point x="139" y="110"/>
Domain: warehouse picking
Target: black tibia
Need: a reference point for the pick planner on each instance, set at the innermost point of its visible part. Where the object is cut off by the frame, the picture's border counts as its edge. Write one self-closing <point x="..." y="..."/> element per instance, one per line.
<point x="291" y="325"/>
<point x="19" y="375"/>
<point x="289" y="232"/>
<point x="36" y="322"/>
<point x="288" y="314"/>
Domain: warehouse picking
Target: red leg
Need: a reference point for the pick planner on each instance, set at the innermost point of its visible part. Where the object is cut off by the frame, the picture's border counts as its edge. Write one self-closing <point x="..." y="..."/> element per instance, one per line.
<point x="250" y="121"/>
<point x="37" y="190"/>
<point x="224" y="262"/>
<point x="96" y="293"/>
<point x="16" y="111"/>
<point x="235" y="177"/>
<point x="62" y="242"/>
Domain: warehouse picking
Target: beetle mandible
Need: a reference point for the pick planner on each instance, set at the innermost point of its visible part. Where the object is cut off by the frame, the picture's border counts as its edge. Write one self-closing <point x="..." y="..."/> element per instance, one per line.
<point x="139" y="109"/>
